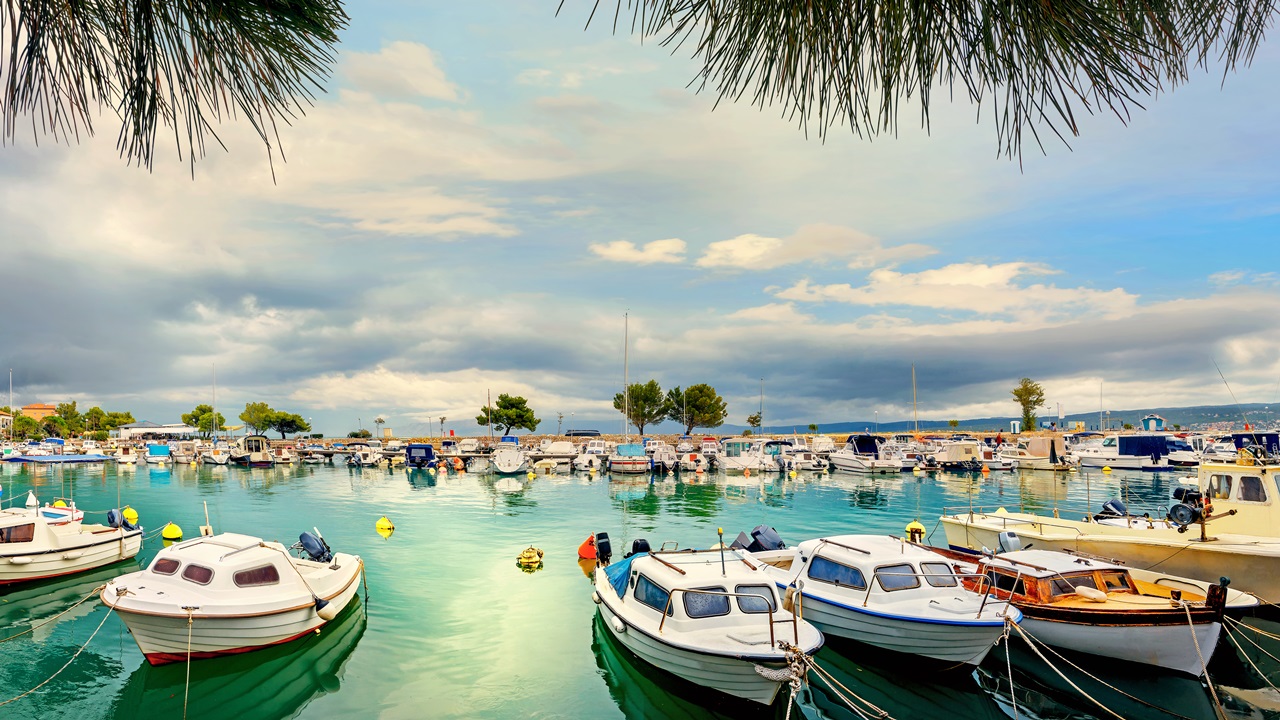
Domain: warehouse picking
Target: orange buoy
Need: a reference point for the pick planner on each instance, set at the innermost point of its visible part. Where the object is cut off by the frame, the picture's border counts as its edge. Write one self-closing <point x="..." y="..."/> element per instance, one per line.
<point x="587" y="550"/>
<point x="746" y="473"/>
<point x="457" y="464"/>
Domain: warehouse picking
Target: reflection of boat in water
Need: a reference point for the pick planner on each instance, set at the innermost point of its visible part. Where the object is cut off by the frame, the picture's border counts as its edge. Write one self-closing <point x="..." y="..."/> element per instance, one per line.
<point x="642" y="691"/>
<point x="33" y="603"/>
<point x="274" y="682"/>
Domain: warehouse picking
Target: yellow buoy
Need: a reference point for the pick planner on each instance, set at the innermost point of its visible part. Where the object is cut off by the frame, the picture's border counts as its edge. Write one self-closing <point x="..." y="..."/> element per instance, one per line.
<point x="130" y="515"/>
<point x="59" y="503"/>
<point x="529" y="559"/>
<point x="531" y="475"/>
<point x="915" y="531"/>
<point x="1106" y="468"/>
<point x="384" y="525"/>
<point x="171" y="532"/>
<point x="792" y="474"/>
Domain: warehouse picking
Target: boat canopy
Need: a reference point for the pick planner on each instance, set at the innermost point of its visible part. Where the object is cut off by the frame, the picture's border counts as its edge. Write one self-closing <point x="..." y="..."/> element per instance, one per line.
<point x="620" y="571"/>
<point x="1268" y="440"/>
<point x="158" y="450"/>
<point x="1144" y="445"/>
<point x="864" y="444"/>
<point x="631" y="450"/>
<point x="509" y="439"/>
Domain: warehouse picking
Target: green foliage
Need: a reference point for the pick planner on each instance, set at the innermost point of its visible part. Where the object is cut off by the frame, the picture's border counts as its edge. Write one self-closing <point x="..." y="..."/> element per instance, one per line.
<point x="54" y="426"/>
<point x="285" y="423"/>
<point x="258" y="416"/>
<point x="1128" y="426"/>
<point x="99" y="435"/>
<point x="94" y="418"/>
<point x="185" y="65"/>
<point x="754" y="420"/>
<point x="362" y="433"/>
<point x="27" y="428"/>
<point x="1029" y="395"/>
<point x="833" y="64"/>
<point x="509" y="412"/>
<point x="643" y="404"/>
<point x="204" y="419"/>
<point x="72" y="421"/>
<point x="116" y="419"/>
<point x="698" y="406"/>
<point x="953" y="424"/>
<point x="813" y="427"/>
<point x="747" y="433"/>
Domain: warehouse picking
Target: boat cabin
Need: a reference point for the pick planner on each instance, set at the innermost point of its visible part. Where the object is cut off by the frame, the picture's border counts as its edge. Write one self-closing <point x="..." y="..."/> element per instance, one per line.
<point x="864" y="444"/>
<point x="959" y="451"/>
<point x="419" y="454"/>
<point x="737" y="448"/>
<point x="1042" y="447"/>
<point x="690" y="588"/>
<point x="230" y="563"/>
<point x="1044" y="577"/>
<point x="1268" y="440"/>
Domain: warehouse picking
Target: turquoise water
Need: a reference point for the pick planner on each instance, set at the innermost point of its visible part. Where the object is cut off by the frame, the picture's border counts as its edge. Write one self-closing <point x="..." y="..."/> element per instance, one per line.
<point x="453" y="628"/>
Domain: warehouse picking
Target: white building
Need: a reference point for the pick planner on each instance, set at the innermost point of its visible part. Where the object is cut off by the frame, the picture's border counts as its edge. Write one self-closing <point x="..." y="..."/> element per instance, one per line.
<point x="136" y="430"/>
<point x="6" y="423"/>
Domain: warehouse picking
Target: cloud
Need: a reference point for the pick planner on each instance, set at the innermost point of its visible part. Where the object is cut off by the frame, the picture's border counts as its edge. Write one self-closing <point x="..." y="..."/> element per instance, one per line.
<point x="658" y="251"/>
<point x="817" y="243"/>
<point x="970" y="287"/>
<point x="400" y="70"/>
<point x="1226" y="278"/>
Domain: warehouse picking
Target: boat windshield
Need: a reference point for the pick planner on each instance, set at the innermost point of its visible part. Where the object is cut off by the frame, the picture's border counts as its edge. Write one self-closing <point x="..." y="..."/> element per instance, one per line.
<point x="1068" y="584"/>
<point x="1115" y="581"/>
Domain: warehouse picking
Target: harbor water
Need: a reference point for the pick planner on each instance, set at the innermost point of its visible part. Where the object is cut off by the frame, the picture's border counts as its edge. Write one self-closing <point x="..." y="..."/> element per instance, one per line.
<point x="453" y="627"/>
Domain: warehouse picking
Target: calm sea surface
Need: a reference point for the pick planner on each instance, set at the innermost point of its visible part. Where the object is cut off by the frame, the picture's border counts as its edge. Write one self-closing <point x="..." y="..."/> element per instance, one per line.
<point x="453" y="628"/>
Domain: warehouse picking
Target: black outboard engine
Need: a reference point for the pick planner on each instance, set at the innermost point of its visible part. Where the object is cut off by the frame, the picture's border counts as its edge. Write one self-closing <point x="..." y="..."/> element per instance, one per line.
<point x="1187" y="495"/>
<point x="765" y="538"/>
<point x="639" y="545"/>
<point x="115" y="518"/>
<point x="1113" y="508"/>
<point x="604" y="549"/>
<point x="316" y="548"/>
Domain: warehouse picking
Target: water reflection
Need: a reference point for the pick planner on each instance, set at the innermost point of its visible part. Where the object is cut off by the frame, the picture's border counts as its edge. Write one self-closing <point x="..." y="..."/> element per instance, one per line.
<point x="274" y="682"/>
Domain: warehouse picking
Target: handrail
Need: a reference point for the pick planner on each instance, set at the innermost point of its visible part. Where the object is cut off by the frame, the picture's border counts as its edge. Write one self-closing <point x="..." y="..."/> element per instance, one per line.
<point x="842" y="545"/>
<point x="877" y="573"/>
<point x="772" y="642"/>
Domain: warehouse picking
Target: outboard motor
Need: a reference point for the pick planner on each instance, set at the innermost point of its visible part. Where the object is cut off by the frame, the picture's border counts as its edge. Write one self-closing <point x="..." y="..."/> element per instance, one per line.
<point x="1187" y="495"/>
<point x="1008" y="541"/>
<point x="1114" y="508"/>
<point x="115" y="518"/>
<point x="765" y="538"/>
<point x="604" y="549"/>
<point x="316" y="548"/>
<point x="639" y="545"/>
<point x="742" y="542"/>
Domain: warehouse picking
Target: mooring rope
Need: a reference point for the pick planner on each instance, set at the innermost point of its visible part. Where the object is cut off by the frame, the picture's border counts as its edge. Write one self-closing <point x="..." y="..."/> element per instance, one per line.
<point x="67" y="664"/>
<point x="1008" y="659"/>
<point x="186" y="689"/>
<point x="1203" y="665"/>
<point x="1077" y="688"/>
<point x="1248" y="659"/>
<point x="39" y="625"/>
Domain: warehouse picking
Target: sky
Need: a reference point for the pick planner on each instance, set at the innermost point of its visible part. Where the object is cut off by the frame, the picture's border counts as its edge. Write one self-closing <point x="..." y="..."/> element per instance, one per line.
<point x="485" y="190"/>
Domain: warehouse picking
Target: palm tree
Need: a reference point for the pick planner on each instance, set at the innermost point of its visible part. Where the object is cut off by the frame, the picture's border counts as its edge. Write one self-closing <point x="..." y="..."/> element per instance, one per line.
<point x="182" y="63"/>
<point x="379" y="422"/>
<point x="827" y="63"/>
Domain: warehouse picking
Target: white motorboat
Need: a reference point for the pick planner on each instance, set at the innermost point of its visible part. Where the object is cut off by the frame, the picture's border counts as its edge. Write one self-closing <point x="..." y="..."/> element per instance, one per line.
<point x="1181" y="453"/>
<point x="361" y="454"/>
<point x="664" y="457"/>
<point x="219" y="454"/>
<point x="710" y="617"/>
<point x="184" y="452"/>
<point x="38" y="543"/>
<point x="231" y="593"/>
<point x="158" y="454"/>
<point x="822" y="444"/>
<point x="91" y="447"/>
<point x="742" y="455"/>
<point x="253" y="451"/>
<point x="1100" y="608"/>
<point x="861" y="454"/>
<point x="126" y="456"/>
<point x="593" y="456"/>
<point x="508" y="458"/>
<point x="1139" y="451"/>
<point x="887" y="592"/>
<point x="629" y="459"/>
<point x="1039" y="453"/>
<point x="803" y="459"/>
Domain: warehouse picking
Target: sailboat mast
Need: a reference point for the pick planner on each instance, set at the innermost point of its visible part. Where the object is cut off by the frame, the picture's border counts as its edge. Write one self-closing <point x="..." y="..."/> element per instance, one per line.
<point x="626" y="377"/>
<point x="488" y="403"/>
<point x="215" y="404"/>
<point x="915" y="408"/>
<point x="1100" y="404"/>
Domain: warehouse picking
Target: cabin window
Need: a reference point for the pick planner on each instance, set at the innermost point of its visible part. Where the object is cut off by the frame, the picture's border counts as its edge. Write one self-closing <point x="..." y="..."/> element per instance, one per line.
<point x="1115" y="582"/>
<point x="165" y="566"/>
<point x="649" y="593"/>
<point x="1251" y="489"/>
<point x="265" y="575"/>
<point x="18" y="533"/>
<point x="197" y="574"/>
<point x="824" y="570"/>
<point x="897" y="577"/>
<point x="1219" y="487"/>
<point x="733" y="450"/>
<point x="1109" y="442"/>
<point x="699" y="605"/>
<point x="1068" y="585"/>
<point x="938" y="574"/>
<point x="762" y="603"/>
<point x="1008" y="583"/>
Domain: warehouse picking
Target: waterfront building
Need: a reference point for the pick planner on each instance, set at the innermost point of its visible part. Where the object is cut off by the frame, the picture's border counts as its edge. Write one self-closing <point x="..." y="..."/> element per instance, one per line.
<point x="39" y="411"/>
<point x="6" y="423"/>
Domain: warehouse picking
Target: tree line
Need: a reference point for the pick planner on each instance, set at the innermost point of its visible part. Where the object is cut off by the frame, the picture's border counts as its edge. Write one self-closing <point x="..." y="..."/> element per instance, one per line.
<point x="698" y="405"/>
<point x="67" y="421"/>
<point x="261" y="417"/>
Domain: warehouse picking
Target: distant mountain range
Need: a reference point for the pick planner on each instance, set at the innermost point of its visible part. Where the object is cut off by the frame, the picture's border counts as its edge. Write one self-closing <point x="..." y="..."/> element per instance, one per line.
<point x="1196" y="417"/>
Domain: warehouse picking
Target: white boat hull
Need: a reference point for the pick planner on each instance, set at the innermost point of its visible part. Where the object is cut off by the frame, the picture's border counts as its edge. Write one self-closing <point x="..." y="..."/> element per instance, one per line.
<point x="100" y="549"/>
<point x="728" y="675"/>
<point x="629" y="465"/>
<point x="1166" y="646"/>
<point x="951" y="643"/>
<point x="164" y="638"/>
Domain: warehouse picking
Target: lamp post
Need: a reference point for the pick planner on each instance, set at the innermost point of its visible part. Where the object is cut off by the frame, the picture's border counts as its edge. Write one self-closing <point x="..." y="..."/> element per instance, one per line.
<point x="877" y="422"/>
<point x="559" y="422"/>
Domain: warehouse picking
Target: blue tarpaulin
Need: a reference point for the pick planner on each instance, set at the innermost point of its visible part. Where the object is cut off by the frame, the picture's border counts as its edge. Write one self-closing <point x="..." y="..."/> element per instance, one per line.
<point x="630" y="450"/>
<point x="619" y="572"/>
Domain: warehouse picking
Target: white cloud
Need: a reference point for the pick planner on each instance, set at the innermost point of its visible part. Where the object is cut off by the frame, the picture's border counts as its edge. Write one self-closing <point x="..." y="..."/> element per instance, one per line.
<point x="658" y="251"/>
<point x="1226" y="278"/>
<point x="779" y="313"/>
<point x="819" y="243"/>
<point x="400" y="70"/>
<point x="970" y="287"/>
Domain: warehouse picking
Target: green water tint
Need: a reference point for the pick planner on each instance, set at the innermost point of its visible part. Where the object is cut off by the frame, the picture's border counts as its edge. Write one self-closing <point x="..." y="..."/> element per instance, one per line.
<point x="453" y="628"/>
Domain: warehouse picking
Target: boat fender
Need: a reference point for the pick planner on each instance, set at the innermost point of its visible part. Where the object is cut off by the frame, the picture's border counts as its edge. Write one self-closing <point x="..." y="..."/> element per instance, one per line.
<point x="789" y="600"/>
<point x="325" y="609"/>
<point x="595" y="597"/>
<point x="619" y="626"/>
<point x="1091" y="594"/>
